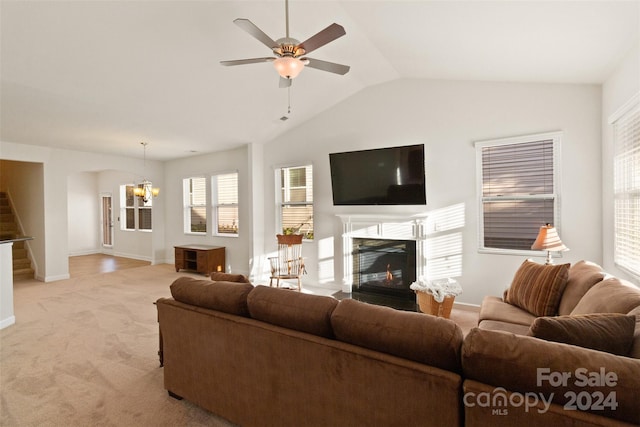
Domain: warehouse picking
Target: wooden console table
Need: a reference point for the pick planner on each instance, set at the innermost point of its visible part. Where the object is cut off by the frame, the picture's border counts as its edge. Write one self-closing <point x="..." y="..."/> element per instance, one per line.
<point x="201" y="258"/>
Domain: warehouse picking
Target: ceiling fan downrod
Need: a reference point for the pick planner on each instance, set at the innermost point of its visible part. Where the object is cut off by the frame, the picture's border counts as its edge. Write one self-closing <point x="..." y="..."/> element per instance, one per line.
<point x="286" y="17"/>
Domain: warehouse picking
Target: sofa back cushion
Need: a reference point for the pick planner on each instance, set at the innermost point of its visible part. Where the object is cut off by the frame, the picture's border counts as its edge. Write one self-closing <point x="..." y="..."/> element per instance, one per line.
<point x="523" y="364"/>
<point x="423" y="338"/>
<point x="293" y="310"/>
<point x="582" y="276"/>
<point x="635" y="346"/>
<point x="612" y="295"/>
<point x="228" y="297"/>
<point x="228" y="277"/>
<point x="610" y="332"/>
<point x="537" y="288"/>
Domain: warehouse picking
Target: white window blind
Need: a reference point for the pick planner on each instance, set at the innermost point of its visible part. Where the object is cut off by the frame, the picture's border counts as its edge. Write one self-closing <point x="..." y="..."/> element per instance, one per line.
<point x="518" y="190"/>
<point x="226" y="202"/>
<point x="296" y="200"/>
<point x="195" y="205"/>
<point x="627" y="188"/>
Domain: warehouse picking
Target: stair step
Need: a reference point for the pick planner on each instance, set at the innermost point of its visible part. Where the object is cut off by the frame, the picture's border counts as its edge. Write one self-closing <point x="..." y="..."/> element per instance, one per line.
<point x="24" y="273"/>
<point x="19" y="253"/>
<point x="21" y="264"/>
<point x="8" y="226"/>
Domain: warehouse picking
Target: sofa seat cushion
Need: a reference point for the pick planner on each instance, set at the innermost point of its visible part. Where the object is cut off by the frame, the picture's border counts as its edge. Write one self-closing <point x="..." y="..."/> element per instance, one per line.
<point x="423" y="338"/>
<point x="582" y="276"/>
<point x="228" y="297"/>
<point x="496" y="325"/>
<point x="514" y="362"/>
<point x="612" y="295"/>
<point x="610" y="332"/>
<point x="538" y="288"/>
<point x="293" y="310"/>
<point x="494" y="308"/>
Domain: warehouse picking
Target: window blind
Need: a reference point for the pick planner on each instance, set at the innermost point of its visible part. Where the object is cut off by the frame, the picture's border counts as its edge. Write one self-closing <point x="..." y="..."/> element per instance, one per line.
<point x="227" y="203"/>
<point x="627" y="190"/>
<point x="518" y="191"/>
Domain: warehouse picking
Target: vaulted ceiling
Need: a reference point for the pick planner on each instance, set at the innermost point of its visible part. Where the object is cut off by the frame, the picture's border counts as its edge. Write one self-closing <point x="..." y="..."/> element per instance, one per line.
<point x="102" y="76"/>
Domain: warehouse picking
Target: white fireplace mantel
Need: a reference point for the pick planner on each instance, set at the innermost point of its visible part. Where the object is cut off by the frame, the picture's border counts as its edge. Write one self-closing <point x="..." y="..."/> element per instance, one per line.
<point x="381" y="226"/>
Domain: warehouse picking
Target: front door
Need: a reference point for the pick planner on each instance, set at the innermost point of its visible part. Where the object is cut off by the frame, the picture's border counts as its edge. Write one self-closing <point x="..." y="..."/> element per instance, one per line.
<point x="107" y="222"/>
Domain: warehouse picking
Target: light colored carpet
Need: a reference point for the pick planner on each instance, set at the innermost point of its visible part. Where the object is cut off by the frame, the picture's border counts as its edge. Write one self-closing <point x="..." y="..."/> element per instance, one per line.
<point x="83" y="352"/>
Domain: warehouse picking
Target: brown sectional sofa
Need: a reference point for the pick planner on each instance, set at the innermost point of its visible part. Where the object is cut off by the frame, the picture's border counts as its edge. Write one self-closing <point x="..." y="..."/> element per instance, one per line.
<point x="273" y="357"/>
<point x="261" y="356"/>
<point x="502" y="352"/>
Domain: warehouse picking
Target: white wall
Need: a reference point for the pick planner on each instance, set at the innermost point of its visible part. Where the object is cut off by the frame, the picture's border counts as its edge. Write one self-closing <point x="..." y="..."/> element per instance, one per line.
<point x="238" y="249"/>
<point x="619" y="88"/>
<point x="83" y="220"/>
<point x="134" y="244"/>
<point x="448" y="116"/>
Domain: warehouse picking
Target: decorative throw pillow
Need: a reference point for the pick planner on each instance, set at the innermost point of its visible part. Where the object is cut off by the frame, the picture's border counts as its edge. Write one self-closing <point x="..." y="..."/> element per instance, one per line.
<point x="537" y="288"/>
<point x="612" y="333"/>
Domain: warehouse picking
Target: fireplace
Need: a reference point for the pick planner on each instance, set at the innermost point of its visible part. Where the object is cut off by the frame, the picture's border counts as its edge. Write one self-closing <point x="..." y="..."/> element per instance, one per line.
<point x="380" y="234"/>
<point x="384" y="266"/>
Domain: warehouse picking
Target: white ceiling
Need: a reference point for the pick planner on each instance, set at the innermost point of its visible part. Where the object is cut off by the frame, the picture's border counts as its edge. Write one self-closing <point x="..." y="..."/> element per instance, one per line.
<point x="104" y="75"/>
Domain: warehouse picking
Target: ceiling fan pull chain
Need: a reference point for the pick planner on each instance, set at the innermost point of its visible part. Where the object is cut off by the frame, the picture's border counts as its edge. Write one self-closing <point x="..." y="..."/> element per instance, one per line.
<point x="289" y="99"/>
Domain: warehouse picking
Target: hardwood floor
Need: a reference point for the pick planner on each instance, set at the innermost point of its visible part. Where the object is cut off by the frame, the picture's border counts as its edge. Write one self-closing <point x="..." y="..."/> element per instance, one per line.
<point x="99" y="263"/>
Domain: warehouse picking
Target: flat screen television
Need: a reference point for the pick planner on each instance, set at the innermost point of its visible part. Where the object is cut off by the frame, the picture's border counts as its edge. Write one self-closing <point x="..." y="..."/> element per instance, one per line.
<point x="383" y="176"/>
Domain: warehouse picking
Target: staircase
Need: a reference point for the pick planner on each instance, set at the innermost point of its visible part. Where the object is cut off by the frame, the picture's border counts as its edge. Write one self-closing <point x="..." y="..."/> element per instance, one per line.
<point x="9" y="230"/>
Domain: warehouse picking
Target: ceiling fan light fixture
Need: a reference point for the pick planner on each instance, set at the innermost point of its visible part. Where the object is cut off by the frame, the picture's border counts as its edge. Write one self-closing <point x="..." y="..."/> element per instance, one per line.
<point x="288" y="66"/>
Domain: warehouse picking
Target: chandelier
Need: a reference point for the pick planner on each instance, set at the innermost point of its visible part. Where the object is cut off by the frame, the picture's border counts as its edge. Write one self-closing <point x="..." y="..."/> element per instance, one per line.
<point x="144" y="190"/>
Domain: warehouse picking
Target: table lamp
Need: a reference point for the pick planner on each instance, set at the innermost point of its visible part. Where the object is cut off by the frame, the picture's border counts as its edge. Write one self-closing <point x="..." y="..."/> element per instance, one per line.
<point x="548" y="240"/>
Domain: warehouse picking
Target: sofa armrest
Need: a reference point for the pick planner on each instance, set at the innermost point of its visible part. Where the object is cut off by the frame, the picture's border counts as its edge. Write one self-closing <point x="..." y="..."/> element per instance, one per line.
<point x="557" y="371"/>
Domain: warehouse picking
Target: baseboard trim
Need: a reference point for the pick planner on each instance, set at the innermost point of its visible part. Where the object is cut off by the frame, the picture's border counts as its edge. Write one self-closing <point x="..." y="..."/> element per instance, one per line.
<point x="4" y="323"/>
<point x="466" y="306"/>
<point x="56" y="278"/>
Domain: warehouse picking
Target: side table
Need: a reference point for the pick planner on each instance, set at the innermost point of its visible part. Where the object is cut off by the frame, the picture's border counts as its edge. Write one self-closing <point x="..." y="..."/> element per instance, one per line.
<point x="200" y="258"/>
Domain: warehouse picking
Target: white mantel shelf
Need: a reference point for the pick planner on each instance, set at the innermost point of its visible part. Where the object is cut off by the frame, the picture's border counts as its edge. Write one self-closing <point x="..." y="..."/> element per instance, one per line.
<point x="381" y="226"/>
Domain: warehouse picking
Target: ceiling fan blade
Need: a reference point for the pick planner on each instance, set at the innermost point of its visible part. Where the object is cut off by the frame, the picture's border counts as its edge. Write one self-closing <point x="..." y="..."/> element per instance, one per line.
<point x="256" y="32"/>
<point x="325" y="36"/>
<point x="284" y="83"/>
<point x="331" y="67"/>
<point x="247" y="61"/>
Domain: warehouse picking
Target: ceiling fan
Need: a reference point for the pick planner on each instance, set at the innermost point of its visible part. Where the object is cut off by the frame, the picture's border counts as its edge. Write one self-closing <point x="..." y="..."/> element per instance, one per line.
<point x="289" y="53"/>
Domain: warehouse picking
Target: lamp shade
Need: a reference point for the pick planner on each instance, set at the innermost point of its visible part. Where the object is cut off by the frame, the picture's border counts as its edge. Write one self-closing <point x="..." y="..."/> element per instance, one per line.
<point x="288" y="66"/>
<point x="548" y="240"/>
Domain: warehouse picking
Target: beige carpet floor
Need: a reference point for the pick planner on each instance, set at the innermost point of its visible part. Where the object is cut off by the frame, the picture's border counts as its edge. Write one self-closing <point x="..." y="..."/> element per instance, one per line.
<point x="83" y="352"/>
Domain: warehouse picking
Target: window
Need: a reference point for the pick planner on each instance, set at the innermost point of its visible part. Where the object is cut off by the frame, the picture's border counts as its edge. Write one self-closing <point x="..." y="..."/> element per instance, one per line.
<point x="626" y="182"/>
<point x="144" y="212"/>
<point x="195" y="204"/>
<point x="134" y="210"/>
<point x="518" y="190"/>
<point x="296" y="200"/>
<point x="225" y="199"/>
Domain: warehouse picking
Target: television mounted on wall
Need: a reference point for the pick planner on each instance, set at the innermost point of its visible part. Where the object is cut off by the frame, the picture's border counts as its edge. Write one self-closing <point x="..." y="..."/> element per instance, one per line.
<point x="382" y="176"/>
